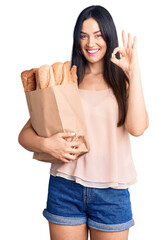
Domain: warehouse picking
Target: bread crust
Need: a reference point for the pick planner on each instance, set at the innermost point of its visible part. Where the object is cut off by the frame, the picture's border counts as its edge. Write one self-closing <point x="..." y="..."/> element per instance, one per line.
<point x="74" y="74"/>
<point x="58" y="72"/>
<point x="28" y="80"/>
<point x="46" y="76"/>
<point x="66" y="73"/>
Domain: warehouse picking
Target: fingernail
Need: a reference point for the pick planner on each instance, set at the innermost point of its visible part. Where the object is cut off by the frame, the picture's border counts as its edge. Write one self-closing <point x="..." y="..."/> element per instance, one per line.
<point x="73" y="133"/>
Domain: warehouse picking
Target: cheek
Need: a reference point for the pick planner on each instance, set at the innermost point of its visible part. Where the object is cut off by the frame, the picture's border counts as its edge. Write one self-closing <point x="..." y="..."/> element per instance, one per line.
<point x="103" y="44"/>
<point x="104" y="47"/>
<point x="82" y="45"/>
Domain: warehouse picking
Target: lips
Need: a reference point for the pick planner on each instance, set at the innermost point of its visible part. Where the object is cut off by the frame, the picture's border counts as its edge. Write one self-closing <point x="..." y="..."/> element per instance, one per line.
<point x="92" y="49"/>
<point x="92" y="52"/>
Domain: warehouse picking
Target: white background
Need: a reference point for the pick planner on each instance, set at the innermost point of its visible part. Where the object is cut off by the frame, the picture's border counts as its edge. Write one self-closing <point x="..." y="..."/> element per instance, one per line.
<point x="34" y="33"/>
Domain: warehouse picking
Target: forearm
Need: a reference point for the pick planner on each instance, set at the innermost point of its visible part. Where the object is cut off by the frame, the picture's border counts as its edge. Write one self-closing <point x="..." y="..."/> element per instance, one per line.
<point x="137" y="118"/>
<point x="31" y="141"/>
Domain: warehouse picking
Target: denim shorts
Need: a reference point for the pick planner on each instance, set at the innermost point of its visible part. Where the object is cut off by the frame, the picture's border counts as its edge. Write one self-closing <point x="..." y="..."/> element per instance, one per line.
<point x="104" y="209"/>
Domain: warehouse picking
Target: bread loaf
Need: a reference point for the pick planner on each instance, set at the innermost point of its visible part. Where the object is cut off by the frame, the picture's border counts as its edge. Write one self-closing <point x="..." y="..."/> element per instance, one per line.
<point x="28" y="80"/>
<point x="45" y="77"/>
<point x="37" y="79"/>
<point x="66" y="73"/>
<point x="58" y="72"/>
<point x="74" y="73"/>
<point x="51" y="77"/>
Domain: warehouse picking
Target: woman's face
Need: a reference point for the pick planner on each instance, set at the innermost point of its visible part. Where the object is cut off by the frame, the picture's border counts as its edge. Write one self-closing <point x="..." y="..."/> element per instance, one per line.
<point x="92" y="43"/>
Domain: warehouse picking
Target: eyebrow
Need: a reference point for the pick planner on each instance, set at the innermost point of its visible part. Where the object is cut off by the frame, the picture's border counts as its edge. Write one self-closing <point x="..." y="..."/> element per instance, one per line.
<point x="94" y="32"/>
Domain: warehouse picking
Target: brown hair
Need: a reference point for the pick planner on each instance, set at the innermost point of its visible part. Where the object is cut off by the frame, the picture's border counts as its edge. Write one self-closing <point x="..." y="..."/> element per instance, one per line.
<point x="113" y="75"/>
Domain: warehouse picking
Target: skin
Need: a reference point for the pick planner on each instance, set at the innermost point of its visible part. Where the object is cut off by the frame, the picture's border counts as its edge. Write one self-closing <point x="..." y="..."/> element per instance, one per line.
<point x="55" y="145"/>
<point x="93" y="80"/>
<point x="137" y="117"/>
<point x="136" y="121"/>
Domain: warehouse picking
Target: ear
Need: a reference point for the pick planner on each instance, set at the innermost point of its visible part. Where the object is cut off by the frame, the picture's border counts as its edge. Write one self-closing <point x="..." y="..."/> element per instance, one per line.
<point x="127" y="88"/>
<point x="127" y="85"/>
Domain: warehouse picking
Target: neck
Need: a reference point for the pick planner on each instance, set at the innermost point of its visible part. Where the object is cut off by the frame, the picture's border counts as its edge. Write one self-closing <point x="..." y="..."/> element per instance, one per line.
<point x="94" y="68"/>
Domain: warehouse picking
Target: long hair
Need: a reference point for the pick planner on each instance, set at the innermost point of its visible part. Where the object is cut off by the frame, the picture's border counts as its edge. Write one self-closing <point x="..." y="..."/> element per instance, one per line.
<point x="113" y="74"/>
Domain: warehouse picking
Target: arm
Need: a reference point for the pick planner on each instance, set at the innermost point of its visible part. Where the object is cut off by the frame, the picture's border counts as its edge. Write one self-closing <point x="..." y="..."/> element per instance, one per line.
<point x="54" y="145"/>
<point x="137" y="118"/>
<point x="30" y="140"/>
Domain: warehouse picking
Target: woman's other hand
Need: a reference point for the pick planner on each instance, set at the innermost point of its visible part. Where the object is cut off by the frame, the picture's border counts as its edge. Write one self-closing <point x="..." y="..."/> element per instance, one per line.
<point x="129" y="60"/>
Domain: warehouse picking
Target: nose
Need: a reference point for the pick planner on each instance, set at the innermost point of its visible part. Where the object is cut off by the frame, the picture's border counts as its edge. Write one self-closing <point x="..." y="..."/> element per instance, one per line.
<point x="90" y="42"/>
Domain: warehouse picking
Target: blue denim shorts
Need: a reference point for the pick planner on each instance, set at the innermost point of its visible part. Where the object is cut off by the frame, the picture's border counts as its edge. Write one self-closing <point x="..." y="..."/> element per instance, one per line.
<point x="104" y="209"/>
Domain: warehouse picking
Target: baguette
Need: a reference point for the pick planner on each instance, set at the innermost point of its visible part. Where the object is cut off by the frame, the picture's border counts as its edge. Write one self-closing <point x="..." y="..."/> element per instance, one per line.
<point x="74" y="73"/>
<point x="51" y="77"/>
<point x="37" y="79"/>
<point x="58" y="72"/>
<point x="44" y="77"/>
<point x="66" y="73"/>
<point x="28" y="80"/>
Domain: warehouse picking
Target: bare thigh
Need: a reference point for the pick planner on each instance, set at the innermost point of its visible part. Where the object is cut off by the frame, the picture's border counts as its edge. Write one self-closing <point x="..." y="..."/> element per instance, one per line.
<point x="100" y="235"/>
<point x="68" y="232"/>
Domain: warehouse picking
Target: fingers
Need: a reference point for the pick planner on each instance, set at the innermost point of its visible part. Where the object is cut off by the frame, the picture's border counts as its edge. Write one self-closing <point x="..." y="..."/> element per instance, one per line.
<point x="114" y="60"/>
<point x="129" y="44"/>
<point x="73" y="151"/>
<point x="74" y="144"/>
<point x="134" y="46"/>
<point x="121" y="51"/>
<point x="124" y="40"/>
<point x="69" y="157"/>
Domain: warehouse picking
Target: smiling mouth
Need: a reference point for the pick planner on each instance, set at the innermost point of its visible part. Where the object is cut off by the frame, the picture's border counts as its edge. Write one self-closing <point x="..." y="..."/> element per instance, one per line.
<point x="92" y="52"/>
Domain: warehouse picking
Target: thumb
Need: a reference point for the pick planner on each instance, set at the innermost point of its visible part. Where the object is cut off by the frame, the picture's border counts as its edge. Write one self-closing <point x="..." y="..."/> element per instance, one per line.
<point x="114" y="59"/>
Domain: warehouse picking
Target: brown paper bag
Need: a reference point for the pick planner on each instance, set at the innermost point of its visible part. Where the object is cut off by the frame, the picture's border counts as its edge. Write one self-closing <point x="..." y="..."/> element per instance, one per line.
<point x="57" y="109"/>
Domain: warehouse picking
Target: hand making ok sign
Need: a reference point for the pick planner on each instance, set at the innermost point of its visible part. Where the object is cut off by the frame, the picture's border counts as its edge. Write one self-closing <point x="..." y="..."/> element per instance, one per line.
<point x="129" y="60"/>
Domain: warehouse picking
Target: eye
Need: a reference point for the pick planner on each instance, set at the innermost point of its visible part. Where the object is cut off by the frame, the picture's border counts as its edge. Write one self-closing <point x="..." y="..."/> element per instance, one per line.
<point x="98" y="35"/>
<point x="82" y="36"/>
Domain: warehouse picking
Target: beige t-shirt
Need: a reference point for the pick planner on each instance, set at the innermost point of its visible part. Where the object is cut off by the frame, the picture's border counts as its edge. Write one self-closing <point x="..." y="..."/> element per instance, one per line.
<point x="109" y="162"/>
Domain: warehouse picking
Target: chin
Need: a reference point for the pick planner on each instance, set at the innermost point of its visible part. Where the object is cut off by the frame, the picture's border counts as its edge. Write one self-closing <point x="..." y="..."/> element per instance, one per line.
<point x="94" y="60"/>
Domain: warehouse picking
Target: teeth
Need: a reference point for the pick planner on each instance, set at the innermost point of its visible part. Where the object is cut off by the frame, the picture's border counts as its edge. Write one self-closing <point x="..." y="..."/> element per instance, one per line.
<point x="93" y="51"/>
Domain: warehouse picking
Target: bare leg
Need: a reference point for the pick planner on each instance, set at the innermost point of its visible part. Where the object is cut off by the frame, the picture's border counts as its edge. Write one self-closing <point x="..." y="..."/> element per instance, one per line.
<point x="68" y="232"/>
<point x="100" y="235"/>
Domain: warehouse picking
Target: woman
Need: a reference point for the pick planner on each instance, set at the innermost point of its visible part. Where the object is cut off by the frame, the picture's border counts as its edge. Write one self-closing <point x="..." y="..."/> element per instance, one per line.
<point x="92" y="190"/>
